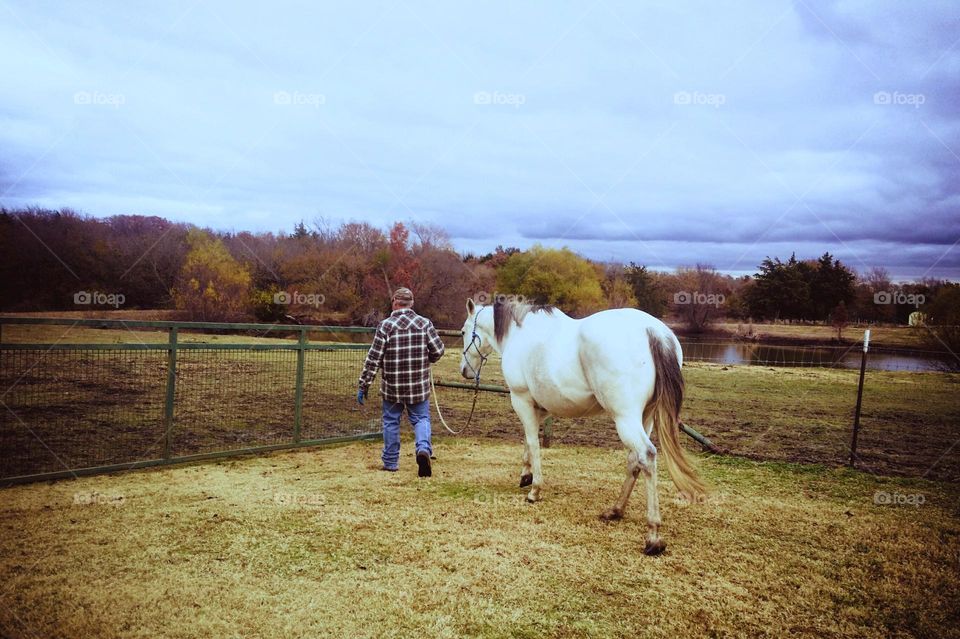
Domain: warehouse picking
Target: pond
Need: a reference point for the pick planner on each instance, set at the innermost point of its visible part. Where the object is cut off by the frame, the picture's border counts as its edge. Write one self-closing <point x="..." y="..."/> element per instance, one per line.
<point x="886" y="359"/>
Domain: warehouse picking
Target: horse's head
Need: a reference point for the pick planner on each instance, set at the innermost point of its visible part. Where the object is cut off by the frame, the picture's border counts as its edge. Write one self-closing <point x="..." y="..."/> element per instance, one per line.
<point x="477" y="335"/>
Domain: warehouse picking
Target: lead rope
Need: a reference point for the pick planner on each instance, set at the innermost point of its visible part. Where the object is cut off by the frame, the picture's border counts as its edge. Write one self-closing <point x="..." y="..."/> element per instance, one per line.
<point x="476" y="388"/>
<point x="436" y="401"/>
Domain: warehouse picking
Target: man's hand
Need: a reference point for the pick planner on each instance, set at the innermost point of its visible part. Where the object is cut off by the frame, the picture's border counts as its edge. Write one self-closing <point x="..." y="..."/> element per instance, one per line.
<point x="361" y="395"/>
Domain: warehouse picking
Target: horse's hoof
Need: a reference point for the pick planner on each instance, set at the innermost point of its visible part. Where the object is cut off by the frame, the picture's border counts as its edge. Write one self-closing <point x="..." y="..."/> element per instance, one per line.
<point x="533" y="497"/>
<point x="612" y="514"/>
<point x="654" y="548"/>
<point x="526" y="480"/>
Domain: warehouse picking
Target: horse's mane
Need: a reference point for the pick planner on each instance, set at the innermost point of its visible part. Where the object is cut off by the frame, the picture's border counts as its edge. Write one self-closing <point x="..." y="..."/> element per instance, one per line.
<point x="507" y="313"/>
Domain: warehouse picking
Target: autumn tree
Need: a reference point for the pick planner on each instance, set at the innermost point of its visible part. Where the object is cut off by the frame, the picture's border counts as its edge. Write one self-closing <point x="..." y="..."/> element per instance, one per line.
<point x="616" y="288"/>
<point x="553" y="276"/>
<point x="212" y="285"/>
<point x="499" y="256"/>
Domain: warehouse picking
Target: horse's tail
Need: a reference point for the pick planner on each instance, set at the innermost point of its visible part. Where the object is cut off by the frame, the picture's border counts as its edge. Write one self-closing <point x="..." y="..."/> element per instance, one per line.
<point x="665" y="407"/>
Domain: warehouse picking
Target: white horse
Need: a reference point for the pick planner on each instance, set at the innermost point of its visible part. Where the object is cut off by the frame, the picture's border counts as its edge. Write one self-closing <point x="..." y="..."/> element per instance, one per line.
<point x="622" y="361"/>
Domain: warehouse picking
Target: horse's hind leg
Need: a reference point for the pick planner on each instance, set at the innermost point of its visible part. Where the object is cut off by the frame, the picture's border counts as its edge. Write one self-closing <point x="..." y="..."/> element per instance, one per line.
<point x="526" y="472"/>
<point x="642" y="459"/>
<point x="655" y="544"/>
<point x="633" y="469"/>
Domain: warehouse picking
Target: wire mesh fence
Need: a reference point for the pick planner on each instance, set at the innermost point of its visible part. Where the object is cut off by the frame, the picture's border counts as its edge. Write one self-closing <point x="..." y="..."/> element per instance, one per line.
<point x="77" y="408"/>
<point x="71" y="408"/>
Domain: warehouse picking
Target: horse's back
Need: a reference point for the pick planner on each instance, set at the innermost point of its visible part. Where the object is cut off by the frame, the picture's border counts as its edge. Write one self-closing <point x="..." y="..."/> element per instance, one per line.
<point x="616" y="357"/>
<point x="624" y="329"/>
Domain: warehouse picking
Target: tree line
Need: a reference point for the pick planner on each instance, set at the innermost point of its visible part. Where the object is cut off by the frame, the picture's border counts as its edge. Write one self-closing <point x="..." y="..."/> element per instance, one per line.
<point x="344" y="274"/>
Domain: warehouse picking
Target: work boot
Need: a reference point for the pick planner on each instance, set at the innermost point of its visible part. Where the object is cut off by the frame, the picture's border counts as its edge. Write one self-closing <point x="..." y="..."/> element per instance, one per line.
<point x="423" y="464"/>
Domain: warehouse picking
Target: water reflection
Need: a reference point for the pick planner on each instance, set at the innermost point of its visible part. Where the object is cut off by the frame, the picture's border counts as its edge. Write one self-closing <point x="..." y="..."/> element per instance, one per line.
<point x="732" y="352"/>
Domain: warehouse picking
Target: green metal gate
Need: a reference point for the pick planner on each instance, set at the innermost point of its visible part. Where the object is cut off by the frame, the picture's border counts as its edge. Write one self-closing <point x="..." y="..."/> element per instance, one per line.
<point x="170" y="392"/>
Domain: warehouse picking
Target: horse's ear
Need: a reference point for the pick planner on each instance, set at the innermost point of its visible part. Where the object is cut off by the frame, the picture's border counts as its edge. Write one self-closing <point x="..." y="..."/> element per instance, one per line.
<point x="471" y="307"/>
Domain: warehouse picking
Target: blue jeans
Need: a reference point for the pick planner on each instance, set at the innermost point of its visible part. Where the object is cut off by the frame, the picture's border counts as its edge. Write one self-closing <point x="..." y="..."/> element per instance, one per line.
<point x="419" y="415"/>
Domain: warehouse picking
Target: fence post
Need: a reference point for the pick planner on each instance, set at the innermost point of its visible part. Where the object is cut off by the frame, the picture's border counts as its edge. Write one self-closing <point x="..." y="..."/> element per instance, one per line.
<point x="547" y="431"/>
<point x="856" y="415"/>
<point x="298" y="393"/>
<point x="171" y="393"/>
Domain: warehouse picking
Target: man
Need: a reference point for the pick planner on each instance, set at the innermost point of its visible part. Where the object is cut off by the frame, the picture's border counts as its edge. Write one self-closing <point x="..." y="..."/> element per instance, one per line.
<point x="404" y="346"/>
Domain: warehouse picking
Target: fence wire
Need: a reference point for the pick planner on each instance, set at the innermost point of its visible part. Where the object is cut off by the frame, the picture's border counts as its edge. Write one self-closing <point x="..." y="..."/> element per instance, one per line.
<point x="92" y="406"/>
<point x="71" y="409"/>
<point x="329" y="386"/>
<point x="230" y="399"/>
<point x="68" y="409"/>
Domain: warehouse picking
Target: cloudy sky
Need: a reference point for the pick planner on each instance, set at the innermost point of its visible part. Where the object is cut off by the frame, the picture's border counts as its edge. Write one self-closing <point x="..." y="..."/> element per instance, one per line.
<point x="665" y="133"/>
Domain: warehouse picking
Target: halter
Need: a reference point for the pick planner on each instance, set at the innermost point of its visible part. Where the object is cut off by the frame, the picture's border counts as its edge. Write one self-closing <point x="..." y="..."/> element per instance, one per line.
<point x="475" y="344"/>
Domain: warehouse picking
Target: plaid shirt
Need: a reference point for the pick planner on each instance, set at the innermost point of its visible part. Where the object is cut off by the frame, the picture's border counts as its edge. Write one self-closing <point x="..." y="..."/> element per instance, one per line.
<point x="404" y="347"/>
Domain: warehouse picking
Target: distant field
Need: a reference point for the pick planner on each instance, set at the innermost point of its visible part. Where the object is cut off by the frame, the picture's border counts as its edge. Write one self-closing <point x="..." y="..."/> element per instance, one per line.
<point x="106" y="407"/>
<point x="889" y="336"/>
<point x="320" y="543"/>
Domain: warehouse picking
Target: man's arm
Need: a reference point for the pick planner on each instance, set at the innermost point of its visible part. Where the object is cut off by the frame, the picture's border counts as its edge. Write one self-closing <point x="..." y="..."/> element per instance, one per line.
<point x="434" y="344"/>
<point x="374" y="359"/>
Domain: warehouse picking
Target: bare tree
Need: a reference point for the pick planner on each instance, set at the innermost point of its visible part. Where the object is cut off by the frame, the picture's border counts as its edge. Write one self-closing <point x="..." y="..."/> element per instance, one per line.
<point x="700" y="298"/>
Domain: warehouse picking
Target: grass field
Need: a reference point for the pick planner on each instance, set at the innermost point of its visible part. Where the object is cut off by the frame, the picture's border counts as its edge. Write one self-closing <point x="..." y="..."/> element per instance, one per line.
<point x="319" y="543"/>
<point x="888" y="336"/>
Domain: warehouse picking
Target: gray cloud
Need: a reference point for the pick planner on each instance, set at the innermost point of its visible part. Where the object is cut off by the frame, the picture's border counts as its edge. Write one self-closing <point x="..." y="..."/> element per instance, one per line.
<point x="669" y="134"/>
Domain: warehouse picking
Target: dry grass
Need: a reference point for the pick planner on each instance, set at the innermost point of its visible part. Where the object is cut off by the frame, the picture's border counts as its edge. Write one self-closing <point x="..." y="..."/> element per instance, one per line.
<point x="42" y="334"/>
<point x="318" y="543"/>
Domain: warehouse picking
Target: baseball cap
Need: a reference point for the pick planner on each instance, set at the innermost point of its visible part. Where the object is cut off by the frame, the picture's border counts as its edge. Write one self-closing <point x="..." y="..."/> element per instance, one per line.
<point x="403" y="295"/>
